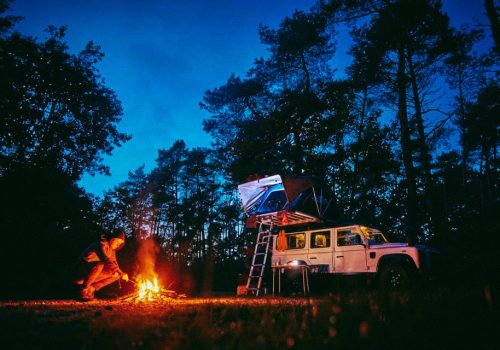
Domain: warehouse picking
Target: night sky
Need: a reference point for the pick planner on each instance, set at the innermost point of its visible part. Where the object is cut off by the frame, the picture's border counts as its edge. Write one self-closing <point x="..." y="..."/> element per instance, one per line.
<point x="161" y="56"/>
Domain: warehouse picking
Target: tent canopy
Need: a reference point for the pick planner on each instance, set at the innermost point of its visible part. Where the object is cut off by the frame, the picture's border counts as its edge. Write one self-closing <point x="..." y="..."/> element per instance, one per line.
<point x="303" y="199"/>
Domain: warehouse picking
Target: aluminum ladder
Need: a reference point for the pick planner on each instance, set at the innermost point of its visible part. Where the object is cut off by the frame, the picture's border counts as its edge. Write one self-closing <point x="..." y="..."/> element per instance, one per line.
<point x="259" y="260"/>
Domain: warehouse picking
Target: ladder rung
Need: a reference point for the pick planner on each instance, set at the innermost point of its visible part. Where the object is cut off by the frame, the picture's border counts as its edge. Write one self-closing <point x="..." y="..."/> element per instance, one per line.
<point x="254" y="265"/>
<point x="260" y="253"/>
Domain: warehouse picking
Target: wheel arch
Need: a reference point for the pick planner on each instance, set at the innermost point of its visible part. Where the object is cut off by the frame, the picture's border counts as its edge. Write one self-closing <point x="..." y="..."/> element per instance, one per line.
<point x="403" y="260"/>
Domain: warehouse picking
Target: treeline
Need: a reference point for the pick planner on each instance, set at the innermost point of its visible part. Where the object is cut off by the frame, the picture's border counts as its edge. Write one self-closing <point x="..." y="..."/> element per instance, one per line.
<point x="407" y="138"/>
<point x="57" y="120"/>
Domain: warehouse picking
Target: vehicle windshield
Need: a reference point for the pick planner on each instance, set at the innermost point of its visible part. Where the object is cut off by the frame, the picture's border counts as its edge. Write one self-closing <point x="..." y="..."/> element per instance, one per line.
<point x="374" y="236"/>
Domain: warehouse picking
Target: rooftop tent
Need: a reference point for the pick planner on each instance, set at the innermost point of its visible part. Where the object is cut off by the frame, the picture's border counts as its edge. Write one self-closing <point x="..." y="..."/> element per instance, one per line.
<point x="302" y="199"/>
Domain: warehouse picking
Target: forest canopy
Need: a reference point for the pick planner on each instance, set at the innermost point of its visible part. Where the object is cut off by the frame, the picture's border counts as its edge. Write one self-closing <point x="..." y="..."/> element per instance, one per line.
<point x="406" y="138"/>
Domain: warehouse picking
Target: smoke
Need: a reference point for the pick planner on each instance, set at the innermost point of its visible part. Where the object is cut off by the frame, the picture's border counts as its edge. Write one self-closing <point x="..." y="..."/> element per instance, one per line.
<point x="146" y="258"/>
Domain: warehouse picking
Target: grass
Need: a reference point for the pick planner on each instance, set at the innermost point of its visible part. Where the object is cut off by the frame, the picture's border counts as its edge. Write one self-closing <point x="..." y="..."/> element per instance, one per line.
<point x="422" y="319"/>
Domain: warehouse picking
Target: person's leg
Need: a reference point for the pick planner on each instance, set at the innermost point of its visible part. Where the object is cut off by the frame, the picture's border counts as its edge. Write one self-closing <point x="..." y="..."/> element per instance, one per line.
<point x="104" y="282"/>
<point x="93" y="273"/>
<point x="105" y="278"/>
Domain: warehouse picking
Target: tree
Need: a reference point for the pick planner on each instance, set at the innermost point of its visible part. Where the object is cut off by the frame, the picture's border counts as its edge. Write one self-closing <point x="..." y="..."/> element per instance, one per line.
<point x="481" y="126"/>
<point x="265" y="122"/>
<point x="46" y="222"/>
<point x="492" y="13"/>
<point x="57" y="118"/>
<point x="405" y="38"/>
<point x="55" y="108"/>
<point x="6" y="22"/>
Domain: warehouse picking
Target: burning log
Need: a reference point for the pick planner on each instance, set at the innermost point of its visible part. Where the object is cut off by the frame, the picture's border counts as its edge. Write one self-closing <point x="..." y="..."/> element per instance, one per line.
<point x="150" y="291"/>
<point x="147" y="286"/>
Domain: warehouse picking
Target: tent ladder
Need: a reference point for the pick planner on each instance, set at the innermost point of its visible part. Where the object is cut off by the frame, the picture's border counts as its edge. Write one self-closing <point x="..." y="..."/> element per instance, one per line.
<point x="259" y="259"/>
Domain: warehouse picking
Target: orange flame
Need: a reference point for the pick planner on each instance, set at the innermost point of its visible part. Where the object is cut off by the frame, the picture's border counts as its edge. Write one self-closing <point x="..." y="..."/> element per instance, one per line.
<point x="147" y="287"/>
<point x="148" y="290"/>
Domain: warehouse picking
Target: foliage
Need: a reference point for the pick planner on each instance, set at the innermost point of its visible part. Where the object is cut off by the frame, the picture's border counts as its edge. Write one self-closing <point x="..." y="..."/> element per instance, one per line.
<point x="184" y="205"/>
<point x="400" y="150"/>
<point x="46" y="221"/>
<point x="55" y="108"/>
<point x="58" y="118"/>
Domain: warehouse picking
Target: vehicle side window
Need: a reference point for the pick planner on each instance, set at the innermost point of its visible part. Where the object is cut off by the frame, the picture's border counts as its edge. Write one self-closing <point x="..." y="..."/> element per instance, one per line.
<point x="320" y="239"/>
<point x="343" y="237"/>
<point x="347" y="237"/>
<point x="296" y="240"/>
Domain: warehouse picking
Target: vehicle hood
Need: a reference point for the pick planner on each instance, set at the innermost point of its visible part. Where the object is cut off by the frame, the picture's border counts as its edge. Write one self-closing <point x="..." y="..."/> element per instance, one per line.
<point x="389" y="245"/>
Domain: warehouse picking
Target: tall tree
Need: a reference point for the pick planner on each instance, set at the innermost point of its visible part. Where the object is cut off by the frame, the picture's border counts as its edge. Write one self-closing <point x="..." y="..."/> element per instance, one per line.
<point x="492" y="13"/>
<point x="405" y="38"/>
<point x="266" y="117"/>
<point x="58" y="118"/>
<point x="482" y="137"/>
<point x="465" y="74"/>
<point x="55" y="108"/>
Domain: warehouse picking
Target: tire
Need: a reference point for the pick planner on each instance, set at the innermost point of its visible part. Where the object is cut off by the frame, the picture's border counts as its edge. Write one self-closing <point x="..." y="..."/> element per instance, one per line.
<point x="394" y="277"/>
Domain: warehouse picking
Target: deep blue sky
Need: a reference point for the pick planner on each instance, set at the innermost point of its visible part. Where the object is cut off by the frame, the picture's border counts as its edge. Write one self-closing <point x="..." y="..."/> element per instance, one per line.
<point x="162" y="55"/>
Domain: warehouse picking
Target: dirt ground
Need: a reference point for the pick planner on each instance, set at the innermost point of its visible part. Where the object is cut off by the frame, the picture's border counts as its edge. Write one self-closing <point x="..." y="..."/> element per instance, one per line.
<point x="350" y="320"/>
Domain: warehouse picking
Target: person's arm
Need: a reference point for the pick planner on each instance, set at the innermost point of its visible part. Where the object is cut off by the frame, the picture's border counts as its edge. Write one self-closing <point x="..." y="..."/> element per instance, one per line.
<point x="107" y="257"/>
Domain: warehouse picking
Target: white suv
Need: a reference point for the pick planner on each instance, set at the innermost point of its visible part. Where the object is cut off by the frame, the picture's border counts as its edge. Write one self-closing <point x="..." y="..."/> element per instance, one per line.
<point x="350" y="250"/>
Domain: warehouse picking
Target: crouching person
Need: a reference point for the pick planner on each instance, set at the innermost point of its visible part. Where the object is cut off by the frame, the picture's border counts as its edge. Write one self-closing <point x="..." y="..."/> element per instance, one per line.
<point x="98" y="266"/>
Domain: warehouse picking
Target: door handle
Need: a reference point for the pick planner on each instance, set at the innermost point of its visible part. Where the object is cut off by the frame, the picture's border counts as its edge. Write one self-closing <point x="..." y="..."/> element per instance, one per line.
<point x="312" y="257"/>
<point x="339" y="256"/>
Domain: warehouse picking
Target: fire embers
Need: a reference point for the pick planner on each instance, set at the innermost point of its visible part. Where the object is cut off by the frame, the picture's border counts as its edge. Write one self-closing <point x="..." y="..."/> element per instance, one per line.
<point x="149" y="290"/>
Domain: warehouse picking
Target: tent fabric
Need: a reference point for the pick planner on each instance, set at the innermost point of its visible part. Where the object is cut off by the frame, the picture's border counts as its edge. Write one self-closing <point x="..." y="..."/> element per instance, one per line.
<point x="251" y="192"/>
<point x="295" y="186"/>
<point x="275" y="194"/>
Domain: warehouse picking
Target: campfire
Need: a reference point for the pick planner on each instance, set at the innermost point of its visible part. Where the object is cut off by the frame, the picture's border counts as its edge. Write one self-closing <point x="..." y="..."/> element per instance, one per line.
<point x="148" y="287"/>
<point x="148" y="290"/>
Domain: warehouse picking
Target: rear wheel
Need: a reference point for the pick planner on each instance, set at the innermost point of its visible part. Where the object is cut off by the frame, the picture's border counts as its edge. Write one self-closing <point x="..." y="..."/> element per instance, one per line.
<point x="394" y="276"/>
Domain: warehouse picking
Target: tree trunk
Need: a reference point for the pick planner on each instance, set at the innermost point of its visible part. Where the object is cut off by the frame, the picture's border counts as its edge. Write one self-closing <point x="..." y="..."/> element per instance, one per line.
<point x="306" y="72"/>
<point x="461" y="109"/>
<point x="491" y="11"/>
<point x="299" y="157"/>
<point x="411" y="233"/>
<point x="424" y="148"/>
<point x="359" y="140"/>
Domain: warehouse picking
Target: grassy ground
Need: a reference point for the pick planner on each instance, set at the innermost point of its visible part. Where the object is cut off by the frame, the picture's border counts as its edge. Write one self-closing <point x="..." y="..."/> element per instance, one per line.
<point x="419" y="319"/>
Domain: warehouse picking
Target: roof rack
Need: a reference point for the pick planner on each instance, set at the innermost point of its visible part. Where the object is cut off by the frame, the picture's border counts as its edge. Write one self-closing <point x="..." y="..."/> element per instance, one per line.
<point x="292" y="218"/>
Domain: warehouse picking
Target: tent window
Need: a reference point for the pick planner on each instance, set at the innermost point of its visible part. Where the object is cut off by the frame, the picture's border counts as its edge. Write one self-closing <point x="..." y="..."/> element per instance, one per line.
<point x="296" y="240"/>
<point x="274" y="202"/>
<point x="320" y="239"/>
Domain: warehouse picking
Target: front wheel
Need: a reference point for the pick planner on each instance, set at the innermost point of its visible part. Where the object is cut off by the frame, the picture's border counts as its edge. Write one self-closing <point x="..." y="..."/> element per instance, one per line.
<point x="394" y="277"/>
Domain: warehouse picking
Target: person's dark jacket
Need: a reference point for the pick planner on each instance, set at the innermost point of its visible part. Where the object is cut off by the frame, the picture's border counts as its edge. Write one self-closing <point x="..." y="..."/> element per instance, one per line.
<point x="101" y="252"/>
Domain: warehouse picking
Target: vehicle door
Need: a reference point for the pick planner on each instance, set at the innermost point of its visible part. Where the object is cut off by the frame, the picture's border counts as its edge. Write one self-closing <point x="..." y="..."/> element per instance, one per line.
<point x="350" y="252"/>
<point x="320" y="251"/>
<point x="296" y="249"/>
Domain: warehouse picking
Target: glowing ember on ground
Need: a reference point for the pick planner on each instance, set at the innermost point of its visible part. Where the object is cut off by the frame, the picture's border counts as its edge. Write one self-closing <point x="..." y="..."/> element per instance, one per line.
<point x="148" y="290"/>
